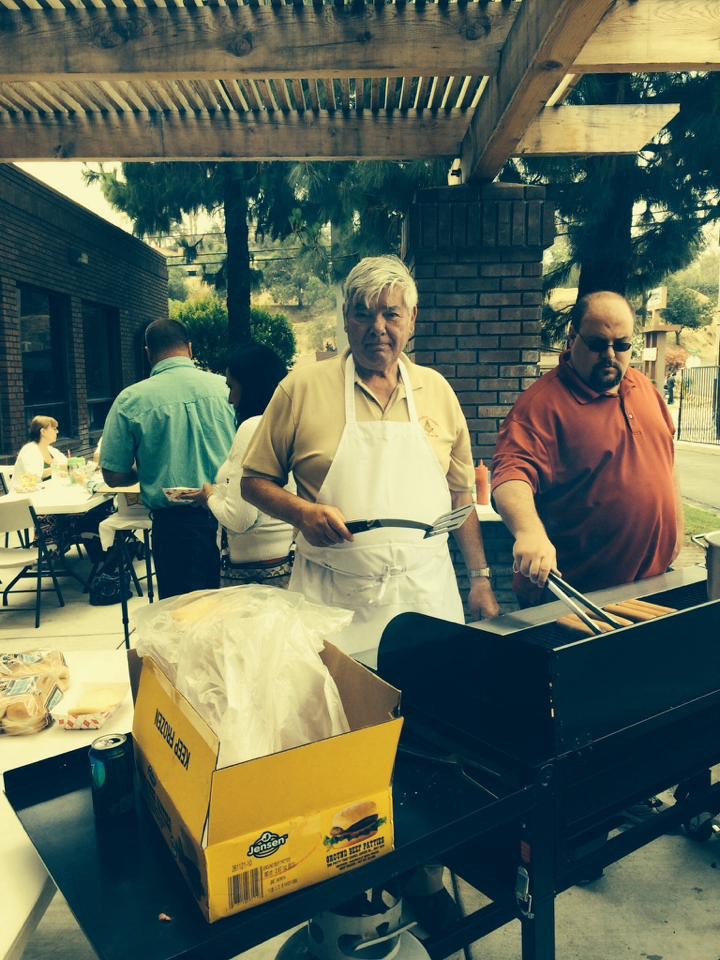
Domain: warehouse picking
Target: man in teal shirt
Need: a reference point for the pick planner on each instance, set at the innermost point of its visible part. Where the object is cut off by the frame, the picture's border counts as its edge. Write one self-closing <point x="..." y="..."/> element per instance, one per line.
<point x="172" y="430"/>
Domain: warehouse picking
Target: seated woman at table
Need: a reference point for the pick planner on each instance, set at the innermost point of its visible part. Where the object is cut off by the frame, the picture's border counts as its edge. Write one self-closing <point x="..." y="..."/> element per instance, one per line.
<point x="258" y="545"/>
<point x="38" y="455"/>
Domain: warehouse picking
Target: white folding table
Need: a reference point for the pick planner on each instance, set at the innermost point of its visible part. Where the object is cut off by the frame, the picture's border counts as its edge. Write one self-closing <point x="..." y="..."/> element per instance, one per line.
<point x="25" y="887"/>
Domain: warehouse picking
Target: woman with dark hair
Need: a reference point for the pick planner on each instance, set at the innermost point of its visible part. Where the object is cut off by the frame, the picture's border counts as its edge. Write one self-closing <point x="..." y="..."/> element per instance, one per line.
<point x="258" y="545"/>
<point x="38" y="455"/>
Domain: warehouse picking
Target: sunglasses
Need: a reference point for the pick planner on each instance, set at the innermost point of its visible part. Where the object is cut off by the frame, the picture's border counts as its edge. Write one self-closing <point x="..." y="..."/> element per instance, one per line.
<point x="598" y="345"/>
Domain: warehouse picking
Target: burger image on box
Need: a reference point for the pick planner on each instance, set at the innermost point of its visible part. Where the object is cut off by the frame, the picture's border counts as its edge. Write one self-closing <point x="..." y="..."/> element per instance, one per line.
<point x="354" y="823"/>
<point x="255" y="831"/>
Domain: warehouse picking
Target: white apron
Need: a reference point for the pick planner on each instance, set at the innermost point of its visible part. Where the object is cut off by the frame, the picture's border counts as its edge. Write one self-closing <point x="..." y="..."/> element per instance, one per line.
<point x="381" y="469"/>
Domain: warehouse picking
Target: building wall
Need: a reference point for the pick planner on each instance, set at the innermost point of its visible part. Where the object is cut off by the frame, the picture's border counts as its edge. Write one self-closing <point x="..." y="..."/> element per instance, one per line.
<point x="47" y="241"/>
<point x="477" y="256"/>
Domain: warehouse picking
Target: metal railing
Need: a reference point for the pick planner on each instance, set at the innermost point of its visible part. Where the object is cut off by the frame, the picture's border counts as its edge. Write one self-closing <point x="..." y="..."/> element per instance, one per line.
<point x="699" y="405"/>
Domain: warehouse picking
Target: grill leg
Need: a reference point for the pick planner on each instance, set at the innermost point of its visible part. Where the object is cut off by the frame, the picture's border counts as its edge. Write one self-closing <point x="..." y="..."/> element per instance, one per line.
<point x="537" y="857"/>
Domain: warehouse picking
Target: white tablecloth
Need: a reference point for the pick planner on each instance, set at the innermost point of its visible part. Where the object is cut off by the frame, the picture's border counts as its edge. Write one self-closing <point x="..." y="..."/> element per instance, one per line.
<point x="55" y="497"/>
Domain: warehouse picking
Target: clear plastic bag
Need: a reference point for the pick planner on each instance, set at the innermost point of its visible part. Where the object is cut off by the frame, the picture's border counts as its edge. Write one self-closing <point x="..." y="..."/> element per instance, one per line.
<point x="247" y="658"/>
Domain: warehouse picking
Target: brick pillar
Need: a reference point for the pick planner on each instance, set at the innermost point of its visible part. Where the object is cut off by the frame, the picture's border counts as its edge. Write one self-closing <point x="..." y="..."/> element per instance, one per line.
<point x="13" y="433"/>
<point x="476" y="253"/>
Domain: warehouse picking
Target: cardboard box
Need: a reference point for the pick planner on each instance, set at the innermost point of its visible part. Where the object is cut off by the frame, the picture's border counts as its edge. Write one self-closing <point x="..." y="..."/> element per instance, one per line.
<point x="257" y="830"/>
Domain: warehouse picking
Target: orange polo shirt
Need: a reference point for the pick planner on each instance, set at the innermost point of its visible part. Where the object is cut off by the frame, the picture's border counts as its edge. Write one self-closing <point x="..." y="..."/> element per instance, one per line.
<point x="601" y="469"/>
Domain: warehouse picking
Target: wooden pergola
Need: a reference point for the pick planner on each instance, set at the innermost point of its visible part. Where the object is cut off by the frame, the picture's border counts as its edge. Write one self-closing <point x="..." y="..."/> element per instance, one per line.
<point x="482" y="80"/>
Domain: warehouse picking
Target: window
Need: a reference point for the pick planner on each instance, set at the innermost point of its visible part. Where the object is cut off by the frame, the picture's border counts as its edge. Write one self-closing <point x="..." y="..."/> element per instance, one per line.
<point x="101" y="329"/>
<point x="43" y="344"/>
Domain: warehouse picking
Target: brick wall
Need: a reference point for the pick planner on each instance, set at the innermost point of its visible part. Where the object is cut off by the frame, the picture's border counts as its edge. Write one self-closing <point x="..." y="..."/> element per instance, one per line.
<point x="42" y="238"/>
<point x="476" y="253"/>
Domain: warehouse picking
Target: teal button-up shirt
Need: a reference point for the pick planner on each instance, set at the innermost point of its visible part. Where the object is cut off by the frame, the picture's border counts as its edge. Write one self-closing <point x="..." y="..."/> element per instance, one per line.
<point x="176" y="427"/>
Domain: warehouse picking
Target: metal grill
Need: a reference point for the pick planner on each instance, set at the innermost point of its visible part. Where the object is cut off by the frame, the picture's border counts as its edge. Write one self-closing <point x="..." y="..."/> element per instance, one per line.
<point x="699" y="411"/>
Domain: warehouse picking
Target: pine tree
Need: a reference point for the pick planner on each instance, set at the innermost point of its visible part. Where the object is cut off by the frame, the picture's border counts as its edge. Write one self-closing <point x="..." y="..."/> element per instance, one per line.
<point x="631" y="220"/>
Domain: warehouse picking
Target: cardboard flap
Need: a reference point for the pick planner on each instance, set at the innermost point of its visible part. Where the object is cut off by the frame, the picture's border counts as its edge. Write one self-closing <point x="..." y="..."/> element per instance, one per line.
<point x="179" y="746"/>
<point x="367" y="698"/>
<point x="309" y="778"/>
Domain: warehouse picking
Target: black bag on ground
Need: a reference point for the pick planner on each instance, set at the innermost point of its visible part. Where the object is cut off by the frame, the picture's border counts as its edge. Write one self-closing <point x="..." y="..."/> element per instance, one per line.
<point x="105" y="589"/>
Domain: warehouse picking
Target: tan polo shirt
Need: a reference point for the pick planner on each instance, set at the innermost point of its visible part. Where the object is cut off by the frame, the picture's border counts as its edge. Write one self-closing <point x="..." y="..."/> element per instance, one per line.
<point x="303" y="423"/>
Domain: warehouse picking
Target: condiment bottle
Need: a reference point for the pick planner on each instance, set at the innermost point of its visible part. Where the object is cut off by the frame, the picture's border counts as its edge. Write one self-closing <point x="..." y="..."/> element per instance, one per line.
<point x="482" y="484"/>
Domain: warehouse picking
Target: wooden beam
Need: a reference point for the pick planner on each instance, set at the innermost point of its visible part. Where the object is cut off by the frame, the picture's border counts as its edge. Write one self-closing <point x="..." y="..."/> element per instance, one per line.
<point x="580" y="131"/>
<point x="224" y="42"/>
<point x="544" y="40"/>
<point x="660" y="35"/>
<point x="220" y="136"/>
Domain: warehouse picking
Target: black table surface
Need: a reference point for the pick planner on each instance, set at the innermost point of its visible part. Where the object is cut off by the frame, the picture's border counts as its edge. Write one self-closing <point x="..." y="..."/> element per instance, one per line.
<point x="118" y="880"/>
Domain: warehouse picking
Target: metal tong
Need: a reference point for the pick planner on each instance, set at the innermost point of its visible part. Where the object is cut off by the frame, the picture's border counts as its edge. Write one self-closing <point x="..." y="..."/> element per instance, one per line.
<point x="569" y="595"/>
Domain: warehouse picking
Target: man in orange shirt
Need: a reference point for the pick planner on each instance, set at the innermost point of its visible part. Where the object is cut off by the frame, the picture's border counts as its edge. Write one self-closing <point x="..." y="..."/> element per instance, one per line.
<point x="583" y="473"/>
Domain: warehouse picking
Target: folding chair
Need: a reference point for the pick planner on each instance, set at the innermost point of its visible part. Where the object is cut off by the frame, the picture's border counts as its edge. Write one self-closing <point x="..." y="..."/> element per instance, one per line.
<point x="22" y="535"/>
<point x="131" y="516"/>
<point x="36" y="561"/>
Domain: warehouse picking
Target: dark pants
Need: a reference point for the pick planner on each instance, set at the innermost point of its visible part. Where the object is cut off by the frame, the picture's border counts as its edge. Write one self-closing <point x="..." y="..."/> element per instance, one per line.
<point x="185" y="551"/>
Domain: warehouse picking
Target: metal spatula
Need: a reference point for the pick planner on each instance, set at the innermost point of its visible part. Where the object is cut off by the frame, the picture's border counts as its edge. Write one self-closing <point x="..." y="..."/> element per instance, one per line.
<point x="445" y="523"/>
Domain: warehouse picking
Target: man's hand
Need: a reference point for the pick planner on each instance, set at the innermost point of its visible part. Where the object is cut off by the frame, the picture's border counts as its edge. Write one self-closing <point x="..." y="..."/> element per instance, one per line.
<point x="323" y="525"/>
<point x="534" y="556"/>
<point x="481" y="600"/>
<point x="198" y="497"/>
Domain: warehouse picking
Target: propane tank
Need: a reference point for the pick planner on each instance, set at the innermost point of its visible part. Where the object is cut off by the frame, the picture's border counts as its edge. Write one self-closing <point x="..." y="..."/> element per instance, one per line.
<point x="366" y="928"/>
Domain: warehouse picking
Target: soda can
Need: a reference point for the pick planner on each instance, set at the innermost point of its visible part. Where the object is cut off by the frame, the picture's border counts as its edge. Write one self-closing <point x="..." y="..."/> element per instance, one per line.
<point x="111" y="770"/>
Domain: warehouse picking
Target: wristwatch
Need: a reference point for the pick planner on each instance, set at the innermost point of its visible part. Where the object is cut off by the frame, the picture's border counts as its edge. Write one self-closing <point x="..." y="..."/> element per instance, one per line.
<point x="481" y="572"/>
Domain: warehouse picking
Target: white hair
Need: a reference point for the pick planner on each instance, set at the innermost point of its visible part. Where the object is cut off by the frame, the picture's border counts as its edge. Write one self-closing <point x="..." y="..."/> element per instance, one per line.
<point x="367" y="280"/>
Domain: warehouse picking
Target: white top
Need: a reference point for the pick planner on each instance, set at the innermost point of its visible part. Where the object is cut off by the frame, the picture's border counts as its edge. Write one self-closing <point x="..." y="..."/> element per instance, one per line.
<point x="252" y="535"/>
<point x="30" y="460"/>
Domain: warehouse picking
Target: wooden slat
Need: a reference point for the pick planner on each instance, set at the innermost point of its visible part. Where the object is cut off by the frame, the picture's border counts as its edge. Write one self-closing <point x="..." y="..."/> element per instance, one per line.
<point x="237" y="96"/>
<point x="266" y="94"/>
<point x="345" y="92"/>
<point x="178" y="96"/>
<point x="545" y="39"/>
<point x="79" y="93"/>
<point x="281" y="94"/>
<point x="329" y="87"/>
<point x="241" y="42"/>
<point x="43" y="94"/>
<point x="654" y="35"/>
<point x="144" y="95"/>
<point x="444" y="87"/>
<point x="298" y="95"/>
<point x="190" y="95"/>
<point x="405" y="93"/>
<point x="205" y="94"/>
<point x="114" y="96"/>
<point x="161" y="92"/>
<point x="375" y="94"/>
<point x="221" y="95"/>
<point x="15" y="96"/>
<point x="258" y="136"/>
<point x="391" y="98"/>
<point x="6" y="104"/>
<point x="583" y="131"/>
<point x="313" y="94"/>
<point x="562" y="90"/>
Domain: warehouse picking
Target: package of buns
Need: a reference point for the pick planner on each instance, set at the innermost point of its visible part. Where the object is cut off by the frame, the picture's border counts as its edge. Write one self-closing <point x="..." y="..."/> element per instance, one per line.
<point x="88" y="705"/>
<point x="36" y="663"/>
<point x="26" y="702"/>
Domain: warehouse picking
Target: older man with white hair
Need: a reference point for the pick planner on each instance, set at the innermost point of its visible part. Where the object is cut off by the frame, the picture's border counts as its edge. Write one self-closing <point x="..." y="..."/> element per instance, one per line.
<point x="371" y="435"/>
